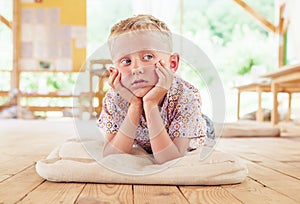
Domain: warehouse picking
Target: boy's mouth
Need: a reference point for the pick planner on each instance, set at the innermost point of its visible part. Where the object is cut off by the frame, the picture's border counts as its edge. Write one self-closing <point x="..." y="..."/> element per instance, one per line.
<point x="139" y="83"/>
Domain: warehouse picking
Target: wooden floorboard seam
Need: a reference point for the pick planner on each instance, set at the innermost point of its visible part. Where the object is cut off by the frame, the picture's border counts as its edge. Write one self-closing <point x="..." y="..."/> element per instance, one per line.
<point x="279" y="171"/>
<point x="76" y="200"/>
<point x="132" y="190"/>
<point x="21" y="199"/>
<point x="178" y="187"/>
<point x="232" y="194"/>
<point x="273" y="189"/>
<point x="14" y="174"/>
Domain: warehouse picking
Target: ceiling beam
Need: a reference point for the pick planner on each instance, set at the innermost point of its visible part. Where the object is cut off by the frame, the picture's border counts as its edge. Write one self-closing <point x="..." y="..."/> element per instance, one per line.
<point x="5" y="21"/>
<point x="267" y="24"/>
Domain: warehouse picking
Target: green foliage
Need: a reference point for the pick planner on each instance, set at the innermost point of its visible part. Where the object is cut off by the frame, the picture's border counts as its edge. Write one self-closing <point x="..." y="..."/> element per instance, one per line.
<point x="230" y="36"/>
<point x="247" y="67"/>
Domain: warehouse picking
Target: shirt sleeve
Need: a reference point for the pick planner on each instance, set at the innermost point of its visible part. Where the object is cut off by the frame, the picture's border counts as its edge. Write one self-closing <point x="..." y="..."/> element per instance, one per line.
<point x="188" y="121"/>
<point x="110" y="119"/>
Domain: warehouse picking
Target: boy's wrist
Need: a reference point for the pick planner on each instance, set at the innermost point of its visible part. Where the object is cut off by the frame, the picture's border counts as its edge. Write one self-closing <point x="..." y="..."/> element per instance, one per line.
<point x="135" y="110"/>
<point x="136" y="102"/>
<point x="148" y="106"/>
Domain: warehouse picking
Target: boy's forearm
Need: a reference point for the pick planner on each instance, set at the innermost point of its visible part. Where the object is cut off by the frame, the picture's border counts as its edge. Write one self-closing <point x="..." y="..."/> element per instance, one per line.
<point x="124" y="139"/>
<point x="162" y="146"/>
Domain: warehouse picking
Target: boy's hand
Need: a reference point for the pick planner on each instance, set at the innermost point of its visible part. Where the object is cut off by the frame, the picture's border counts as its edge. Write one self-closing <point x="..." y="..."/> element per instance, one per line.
<point x="165" y="79"/>
<point x="115" y="82"/>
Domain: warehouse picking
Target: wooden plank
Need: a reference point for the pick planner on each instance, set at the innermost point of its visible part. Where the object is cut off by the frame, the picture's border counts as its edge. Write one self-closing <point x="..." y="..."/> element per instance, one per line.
<point x="49" y="95"/>
<point x="286" y="150"/>
<point x="295" y="164"/>
<point x="6" y="22"/>
<point x="3" y="93"/>
<point x="4" y="177"/>
<point x="267" y="158"/>
<point x="278" y="166"/>
<point x="289" y="69"/>
<point x="106" y="193"/>
<point x="15" y="165"/>
<point x="157" y="194"/>
<point x="49" y="108"/>
<point x="277" y="181"/>
<point x="251" y="191"/>
<point x="288" y="79"/>
<point x="207" y="194"/>
<point x="16" y="187"/>
<point x="252" y="87"/>
<point x="50" y="192"/>
<point x="282" y="183"/>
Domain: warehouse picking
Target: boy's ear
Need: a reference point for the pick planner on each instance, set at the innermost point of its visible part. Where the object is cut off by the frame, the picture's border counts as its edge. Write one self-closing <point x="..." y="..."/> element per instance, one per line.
<point x="174" y="61"/>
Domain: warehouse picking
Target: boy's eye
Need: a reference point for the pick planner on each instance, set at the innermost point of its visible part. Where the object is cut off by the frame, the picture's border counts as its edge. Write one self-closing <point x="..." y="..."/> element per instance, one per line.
<point x="125" y="61"/>
<point x="148" y="57"/>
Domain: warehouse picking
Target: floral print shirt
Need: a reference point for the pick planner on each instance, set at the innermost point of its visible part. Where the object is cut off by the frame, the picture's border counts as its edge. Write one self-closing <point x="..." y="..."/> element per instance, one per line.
<point x="180" y="111"/>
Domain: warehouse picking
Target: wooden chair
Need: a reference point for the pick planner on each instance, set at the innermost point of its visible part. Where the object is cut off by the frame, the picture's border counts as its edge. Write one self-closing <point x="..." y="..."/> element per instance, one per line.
<point x="87" y="98"/>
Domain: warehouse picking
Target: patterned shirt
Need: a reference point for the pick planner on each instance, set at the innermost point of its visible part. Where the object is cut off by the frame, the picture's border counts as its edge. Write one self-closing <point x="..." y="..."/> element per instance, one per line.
<point x="180" y="111"/>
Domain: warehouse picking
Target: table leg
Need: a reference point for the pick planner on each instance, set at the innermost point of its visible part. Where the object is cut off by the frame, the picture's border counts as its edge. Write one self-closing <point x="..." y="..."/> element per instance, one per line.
<point x="288" y="116"/>
<point x="274" y="117"/>
<point x="91" y="96"/>
<point x="259" y="113"/>
<point x="238" y="105"/>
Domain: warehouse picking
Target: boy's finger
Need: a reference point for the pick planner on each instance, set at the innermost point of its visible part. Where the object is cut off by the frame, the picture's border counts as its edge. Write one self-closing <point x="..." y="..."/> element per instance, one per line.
<point x="160" y="74"/>
<point x="162" y="63"/>
<point x="112" y="78"/>
<point x="117" y="80"/>
<point x="163" y="70"/>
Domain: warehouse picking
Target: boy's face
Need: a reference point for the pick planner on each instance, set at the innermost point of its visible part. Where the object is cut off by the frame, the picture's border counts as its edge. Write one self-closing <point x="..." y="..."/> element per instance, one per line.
<point x="135" y="55"/>
<point x="138" y="70"/>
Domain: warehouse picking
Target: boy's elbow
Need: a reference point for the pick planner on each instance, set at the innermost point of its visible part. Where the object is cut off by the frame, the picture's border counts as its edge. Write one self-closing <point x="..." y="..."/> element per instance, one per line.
<point x="109" y="149"/>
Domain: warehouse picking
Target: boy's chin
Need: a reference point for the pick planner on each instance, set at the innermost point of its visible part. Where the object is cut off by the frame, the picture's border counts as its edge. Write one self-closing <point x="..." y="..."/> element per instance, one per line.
<point x="141" y="92"/>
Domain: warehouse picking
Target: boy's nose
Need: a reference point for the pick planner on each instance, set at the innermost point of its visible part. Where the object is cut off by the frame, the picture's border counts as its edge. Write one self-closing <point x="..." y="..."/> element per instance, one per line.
<point x="137" y="71"/>
<point x="136" y="62"/>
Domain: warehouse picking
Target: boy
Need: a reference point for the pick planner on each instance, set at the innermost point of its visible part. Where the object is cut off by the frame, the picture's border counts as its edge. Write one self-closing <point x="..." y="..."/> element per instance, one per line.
<point x="147" y="104"/>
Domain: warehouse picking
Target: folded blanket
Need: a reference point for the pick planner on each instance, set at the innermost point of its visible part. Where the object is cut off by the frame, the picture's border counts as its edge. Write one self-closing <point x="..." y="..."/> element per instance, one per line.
<point x="72" y="162"/>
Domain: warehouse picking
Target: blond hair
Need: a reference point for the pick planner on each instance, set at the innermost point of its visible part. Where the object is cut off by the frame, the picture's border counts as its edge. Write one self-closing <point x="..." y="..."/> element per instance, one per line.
<point x="139" y="22"/>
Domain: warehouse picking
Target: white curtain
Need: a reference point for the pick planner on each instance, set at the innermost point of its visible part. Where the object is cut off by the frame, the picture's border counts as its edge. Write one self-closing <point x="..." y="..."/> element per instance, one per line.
<point x="165" y="10"/>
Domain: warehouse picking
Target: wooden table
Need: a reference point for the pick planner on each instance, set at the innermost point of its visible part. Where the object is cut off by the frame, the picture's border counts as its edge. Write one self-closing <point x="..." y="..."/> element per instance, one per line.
<point x="253" y="87"/>
<point x="267" y="87"/>
<point x="286" y="78"/>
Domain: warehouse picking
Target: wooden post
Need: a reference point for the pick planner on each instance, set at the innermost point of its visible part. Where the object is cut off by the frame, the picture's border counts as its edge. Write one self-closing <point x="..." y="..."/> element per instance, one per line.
<point x="259" y="113"/>
<point x="288" y="116"/>
<point x="15" y="74"/>
<point x="274" y="116"/>
<point x="281" y="31"/>
<point x="238" y="104"/>
<point x="181" y="16"/>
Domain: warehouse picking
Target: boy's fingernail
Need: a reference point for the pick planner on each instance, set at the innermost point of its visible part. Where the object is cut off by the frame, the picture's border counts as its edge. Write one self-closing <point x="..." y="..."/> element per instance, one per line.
<point x="162" y="61"/>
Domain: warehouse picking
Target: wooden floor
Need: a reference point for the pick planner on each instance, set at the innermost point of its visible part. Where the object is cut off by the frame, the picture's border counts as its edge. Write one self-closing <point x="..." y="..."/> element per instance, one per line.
<point x="274" y="172"/>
